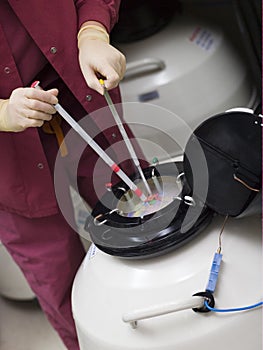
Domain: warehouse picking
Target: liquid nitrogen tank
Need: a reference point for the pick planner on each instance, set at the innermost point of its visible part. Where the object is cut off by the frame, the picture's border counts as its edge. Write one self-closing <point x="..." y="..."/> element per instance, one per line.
<point x="114" y="299"/>
<point x="153" y="303"/>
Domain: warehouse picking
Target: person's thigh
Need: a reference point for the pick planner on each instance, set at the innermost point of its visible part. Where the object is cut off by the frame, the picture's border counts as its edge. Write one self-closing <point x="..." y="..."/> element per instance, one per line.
<point x="49" y="253"/>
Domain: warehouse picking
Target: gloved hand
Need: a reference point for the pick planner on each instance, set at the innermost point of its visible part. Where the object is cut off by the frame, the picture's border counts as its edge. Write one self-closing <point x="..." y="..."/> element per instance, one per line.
<point x="27" y="107"/>
<point x="96" y="55"/>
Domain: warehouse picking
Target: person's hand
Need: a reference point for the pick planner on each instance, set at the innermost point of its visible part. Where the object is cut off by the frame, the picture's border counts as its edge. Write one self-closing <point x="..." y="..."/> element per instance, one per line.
<point x="26" y="108"/>
<point x="98" y="58"/>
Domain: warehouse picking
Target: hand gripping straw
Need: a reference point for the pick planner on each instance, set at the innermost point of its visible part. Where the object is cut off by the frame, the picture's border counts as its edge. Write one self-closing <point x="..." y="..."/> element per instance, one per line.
<point x="102" y="154"/>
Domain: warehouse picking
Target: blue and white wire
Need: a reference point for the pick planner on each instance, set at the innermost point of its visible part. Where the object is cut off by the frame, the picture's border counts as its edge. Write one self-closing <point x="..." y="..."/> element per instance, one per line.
<point x="249" y="307"/>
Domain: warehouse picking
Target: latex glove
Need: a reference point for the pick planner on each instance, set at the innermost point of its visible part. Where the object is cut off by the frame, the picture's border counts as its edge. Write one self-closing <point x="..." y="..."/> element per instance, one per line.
<point x="98" y="58"/>
<point x="26" y="108"/>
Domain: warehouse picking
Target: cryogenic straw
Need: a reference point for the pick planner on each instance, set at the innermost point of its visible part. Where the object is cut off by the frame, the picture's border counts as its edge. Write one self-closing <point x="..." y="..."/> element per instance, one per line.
<point x="157" y="185"/>
<point x="103" y="155"/>
<point x="124" y="135"/>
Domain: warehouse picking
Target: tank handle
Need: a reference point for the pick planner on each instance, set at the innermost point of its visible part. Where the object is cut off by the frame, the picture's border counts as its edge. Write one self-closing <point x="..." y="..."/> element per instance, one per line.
<point x="132" y="317"/>
<point x="143" y="66"/>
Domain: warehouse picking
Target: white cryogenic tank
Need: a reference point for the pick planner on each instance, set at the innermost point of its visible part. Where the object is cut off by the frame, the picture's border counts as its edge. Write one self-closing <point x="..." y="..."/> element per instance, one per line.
<point x="193" y="68"/>
<point x="107" y="289"/>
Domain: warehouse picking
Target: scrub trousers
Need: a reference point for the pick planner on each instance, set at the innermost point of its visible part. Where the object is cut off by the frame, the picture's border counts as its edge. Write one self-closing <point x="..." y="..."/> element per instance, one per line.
<point x="49" y="253"/>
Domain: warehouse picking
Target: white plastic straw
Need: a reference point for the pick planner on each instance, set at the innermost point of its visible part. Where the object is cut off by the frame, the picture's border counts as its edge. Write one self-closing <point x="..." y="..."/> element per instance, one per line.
<point x="125" y="136"/>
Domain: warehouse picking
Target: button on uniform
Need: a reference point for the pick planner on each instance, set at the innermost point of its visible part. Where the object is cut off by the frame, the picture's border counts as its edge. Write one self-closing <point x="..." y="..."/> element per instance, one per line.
<point x="53" y="50"/>
<point x="88" y="98"/>
<point x="7" y="70"/>
<point x="40" y="166"/>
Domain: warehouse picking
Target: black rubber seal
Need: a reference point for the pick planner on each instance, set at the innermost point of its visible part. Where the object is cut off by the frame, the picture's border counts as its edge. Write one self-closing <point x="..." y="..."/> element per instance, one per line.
<point x="209" y="298"/>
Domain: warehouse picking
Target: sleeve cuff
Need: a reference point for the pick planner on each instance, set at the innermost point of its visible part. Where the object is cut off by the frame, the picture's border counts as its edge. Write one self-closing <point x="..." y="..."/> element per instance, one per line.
<point x="99" y="11"/>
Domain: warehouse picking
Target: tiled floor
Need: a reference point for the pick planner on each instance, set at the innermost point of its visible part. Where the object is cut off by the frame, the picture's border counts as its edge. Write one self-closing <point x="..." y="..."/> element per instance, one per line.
<point x="23" y="326"/>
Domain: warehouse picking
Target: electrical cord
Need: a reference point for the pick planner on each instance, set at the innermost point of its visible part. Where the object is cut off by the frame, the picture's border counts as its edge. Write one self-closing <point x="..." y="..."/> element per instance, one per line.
<point x="212" y="281"/>
<point x="249" y="307"/>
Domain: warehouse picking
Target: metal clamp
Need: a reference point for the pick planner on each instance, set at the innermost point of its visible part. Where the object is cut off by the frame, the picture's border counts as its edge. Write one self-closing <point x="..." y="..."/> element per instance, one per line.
<point x="99" y="223"/>
<point x="188" y="200"/>
<point x="179" y="177"/>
